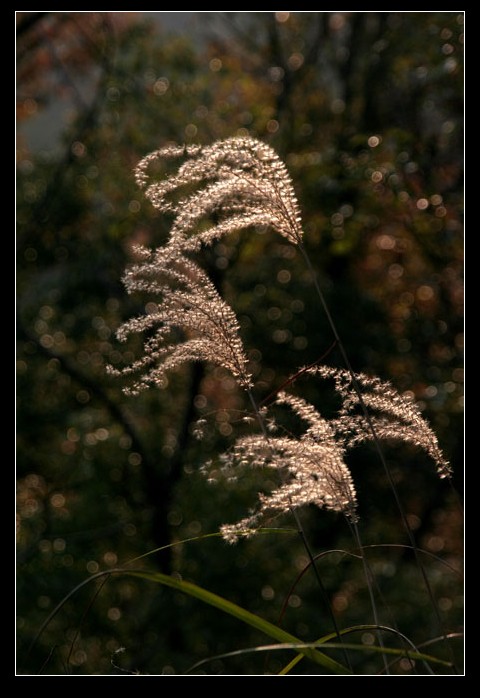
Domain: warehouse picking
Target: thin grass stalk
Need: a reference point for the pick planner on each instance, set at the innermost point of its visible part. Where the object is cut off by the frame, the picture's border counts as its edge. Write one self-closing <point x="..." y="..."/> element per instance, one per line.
<point x="413" y="654"/>
<point x="302" y="534"/>
<point x="369" y="579"/>
<point x="378" y="447"/>
<point x="82" y="620"/>
<point x="349" y="553"/>
<point x="364" y="559"/>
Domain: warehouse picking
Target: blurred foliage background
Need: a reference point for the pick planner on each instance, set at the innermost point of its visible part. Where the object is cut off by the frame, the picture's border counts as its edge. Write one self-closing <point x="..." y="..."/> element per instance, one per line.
<point x="366" y="109"/>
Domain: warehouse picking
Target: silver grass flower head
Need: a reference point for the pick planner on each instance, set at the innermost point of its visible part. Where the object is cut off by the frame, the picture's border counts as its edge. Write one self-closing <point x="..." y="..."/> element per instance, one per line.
<point x="191" y="322"/>
<point x="311" y="468"/>
<point x="230" y="185"/>
<point x="395" y="417"/>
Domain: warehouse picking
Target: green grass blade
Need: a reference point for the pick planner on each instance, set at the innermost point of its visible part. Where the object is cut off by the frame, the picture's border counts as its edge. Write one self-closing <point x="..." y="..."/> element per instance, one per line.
<point x="411" y="653"/>
<point x="288" y="668"/>
<point x="414" y="656"/>
<point x="242" y="615"/>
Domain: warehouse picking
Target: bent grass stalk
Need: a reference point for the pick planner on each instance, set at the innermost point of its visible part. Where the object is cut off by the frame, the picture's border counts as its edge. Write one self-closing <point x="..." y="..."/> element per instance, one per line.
<point x="212" y="599"/>
<point x="413" y="654"/>
<point x="284" y="640"/>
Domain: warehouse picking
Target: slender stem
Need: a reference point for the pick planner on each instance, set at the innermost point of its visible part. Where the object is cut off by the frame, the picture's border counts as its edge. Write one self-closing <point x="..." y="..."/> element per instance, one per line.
<point x="377" y="445"/>
<point x="369" y="577"/>
<point x="84" y="615"/>
<point x="293" y="378"/>
<point x="301" y="532"/>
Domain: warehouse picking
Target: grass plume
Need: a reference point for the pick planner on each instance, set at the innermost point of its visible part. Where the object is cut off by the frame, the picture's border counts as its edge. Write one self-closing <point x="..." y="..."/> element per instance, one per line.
<point x="231" y="185"/>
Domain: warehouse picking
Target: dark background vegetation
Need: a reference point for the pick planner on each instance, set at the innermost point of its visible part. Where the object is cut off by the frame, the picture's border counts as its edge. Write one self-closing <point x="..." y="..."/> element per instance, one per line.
<point x="366" y="109"/>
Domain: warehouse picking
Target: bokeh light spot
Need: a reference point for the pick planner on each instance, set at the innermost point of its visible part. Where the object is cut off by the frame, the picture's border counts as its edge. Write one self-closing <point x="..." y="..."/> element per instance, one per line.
<point x="215" y="65"/>
<point x="114" y="613"/>
<point x="425" y="293"/>
<point x="110" y="558"/>
<point x="57" y="500"/>
<point x="268" y="593"/>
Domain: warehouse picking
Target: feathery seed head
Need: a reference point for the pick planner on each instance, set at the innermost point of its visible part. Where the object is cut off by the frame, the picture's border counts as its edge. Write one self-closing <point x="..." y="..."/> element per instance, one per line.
<point x="394" y="416"/>
<point x="230" y="185"/>
<point x="311" y="468"/>
<point x="237" y="183"/>
<point x="190" y="306"/>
